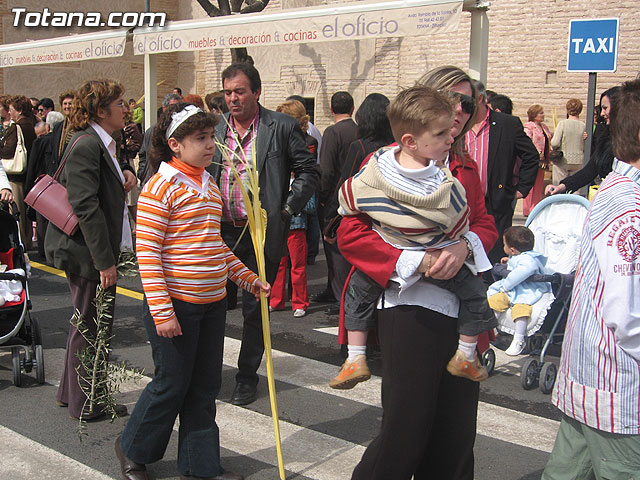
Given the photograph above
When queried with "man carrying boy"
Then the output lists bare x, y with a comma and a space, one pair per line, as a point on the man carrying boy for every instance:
415, 203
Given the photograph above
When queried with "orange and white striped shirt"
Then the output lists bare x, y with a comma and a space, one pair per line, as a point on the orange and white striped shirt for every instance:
180, 251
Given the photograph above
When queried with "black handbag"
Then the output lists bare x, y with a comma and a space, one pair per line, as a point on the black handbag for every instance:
556, 156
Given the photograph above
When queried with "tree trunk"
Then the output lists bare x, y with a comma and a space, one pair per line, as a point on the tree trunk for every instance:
238, 55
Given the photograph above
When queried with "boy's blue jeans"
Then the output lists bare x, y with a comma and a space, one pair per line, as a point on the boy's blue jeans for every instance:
188, 370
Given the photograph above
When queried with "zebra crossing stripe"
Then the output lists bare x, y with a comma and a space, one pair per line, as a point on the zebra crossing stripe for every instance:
312, 454
306, 452
309, 453
25, 459
500, 423
494, 421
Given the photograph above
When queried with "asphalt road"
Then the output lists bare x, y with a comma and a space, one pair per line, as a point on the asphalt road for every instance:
324, 431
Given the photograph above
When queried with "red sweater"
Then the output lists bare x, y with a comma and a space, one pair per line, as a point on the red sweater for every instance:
368, 252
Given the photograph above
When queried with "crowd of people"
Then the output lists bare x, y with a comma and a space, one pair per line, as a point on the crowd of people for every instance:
412, 201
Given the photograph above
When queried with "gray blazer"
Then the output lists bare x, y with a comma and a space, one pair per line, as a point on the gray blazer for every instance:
97, 197
281, 150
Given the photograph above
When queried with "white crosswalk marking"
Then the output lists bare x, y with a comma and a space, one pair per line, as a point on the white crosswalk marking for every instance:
497, 422
328, 330
306, 452
23, 458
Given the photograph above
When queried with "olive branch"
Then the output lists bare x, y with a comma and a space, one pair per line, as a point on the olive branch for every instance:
99, 379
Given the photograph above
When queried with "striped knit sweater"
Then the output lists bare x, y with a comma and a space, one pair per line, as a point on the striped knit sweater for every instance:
180, 251
403, 219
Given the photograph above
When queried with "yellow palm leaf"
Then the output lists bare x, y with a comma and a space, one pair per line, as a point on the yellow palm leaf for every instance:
257, 223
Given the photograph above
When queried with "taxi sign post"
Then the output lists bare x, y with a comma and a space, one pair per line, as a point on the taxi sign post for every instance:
593, 47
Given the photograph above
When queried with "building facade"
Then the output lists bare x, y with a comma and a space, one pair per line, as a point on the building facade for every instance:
527, 56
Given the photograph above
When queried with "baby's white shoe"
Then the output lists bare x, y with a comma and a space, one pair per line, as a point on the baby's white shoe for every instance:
516, 347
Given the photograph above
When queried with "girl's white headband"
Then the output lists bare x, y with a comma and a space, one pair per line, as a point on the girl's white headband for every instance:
179, 117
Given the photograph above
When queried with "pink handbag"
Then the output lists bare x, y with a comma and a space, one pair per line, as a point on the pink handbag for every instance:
48, 197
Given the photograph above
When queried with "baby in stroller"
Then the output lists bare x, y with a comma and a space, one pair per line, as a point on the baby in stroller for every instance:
10, 290
516, 290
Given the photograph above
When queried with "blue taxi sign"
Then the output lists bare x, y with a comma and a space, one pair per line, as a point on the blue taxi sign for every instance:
593, 45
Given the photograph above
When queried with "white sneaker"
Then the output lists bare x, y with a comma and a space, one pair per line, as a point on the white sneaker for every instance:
516, 347
299, 312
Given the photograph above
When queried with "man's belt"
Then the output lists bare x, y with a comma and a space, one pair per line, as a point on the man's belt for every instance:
238, 223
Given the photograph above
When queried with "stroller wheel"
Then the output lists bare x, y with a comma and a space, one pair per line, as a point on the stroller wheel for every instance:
36, 341
17, 368
529, 374
489, 360
548, 375
27, 364
39, 364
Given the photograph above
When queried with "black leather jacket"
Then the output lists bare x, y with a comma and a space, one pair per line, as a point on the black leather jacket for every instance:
281, 149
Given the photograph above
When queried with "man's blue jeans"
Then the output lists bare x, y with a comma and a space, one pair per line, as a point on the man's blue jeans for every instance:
188, 371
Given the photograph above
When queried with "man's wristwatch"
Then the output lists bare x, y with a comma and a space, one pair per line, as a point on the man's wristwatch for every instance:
288, 209
469, 248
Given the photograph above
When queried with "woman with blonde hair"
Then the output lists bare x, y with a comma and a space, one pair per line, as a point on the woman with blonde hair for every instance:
569, 138
96, 186
295, 109
429, 416
540, 135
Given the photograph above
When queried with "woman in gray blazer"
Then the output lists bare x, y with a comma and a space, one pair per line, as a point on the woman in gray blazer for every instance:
96, 185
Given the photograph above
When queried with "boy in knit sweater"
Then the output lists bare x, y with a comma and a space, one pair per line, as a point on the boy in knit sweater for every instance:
415, 203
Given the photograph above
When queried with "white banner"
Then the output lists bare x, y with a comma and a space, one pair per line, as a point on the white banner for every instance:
91, 46
323, 24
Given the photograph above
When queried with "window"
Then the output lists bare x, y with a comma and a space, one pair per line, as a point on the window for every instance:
310, 107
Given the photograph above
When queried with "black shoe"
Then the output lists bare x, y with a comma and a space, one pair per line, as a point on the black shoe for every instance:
121, 411
244, 394
130, 469
333, 309
323, 297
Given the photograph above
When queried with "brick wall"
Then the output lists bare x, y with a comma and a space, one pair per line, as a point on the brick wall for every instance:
167, 63
527, 57
527, 44
3, 12
50, 80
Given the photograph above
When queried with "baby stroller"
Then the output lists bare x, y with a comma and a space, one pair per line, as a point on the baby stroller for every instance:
18, 331
557, 224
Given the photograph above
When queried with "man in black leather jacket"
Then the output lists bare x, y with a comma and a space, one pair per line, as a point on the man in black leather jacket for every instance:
280, 151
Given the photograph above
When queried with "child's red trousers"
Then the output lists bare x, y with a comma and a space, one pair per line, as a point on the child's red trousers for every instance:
297, 245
